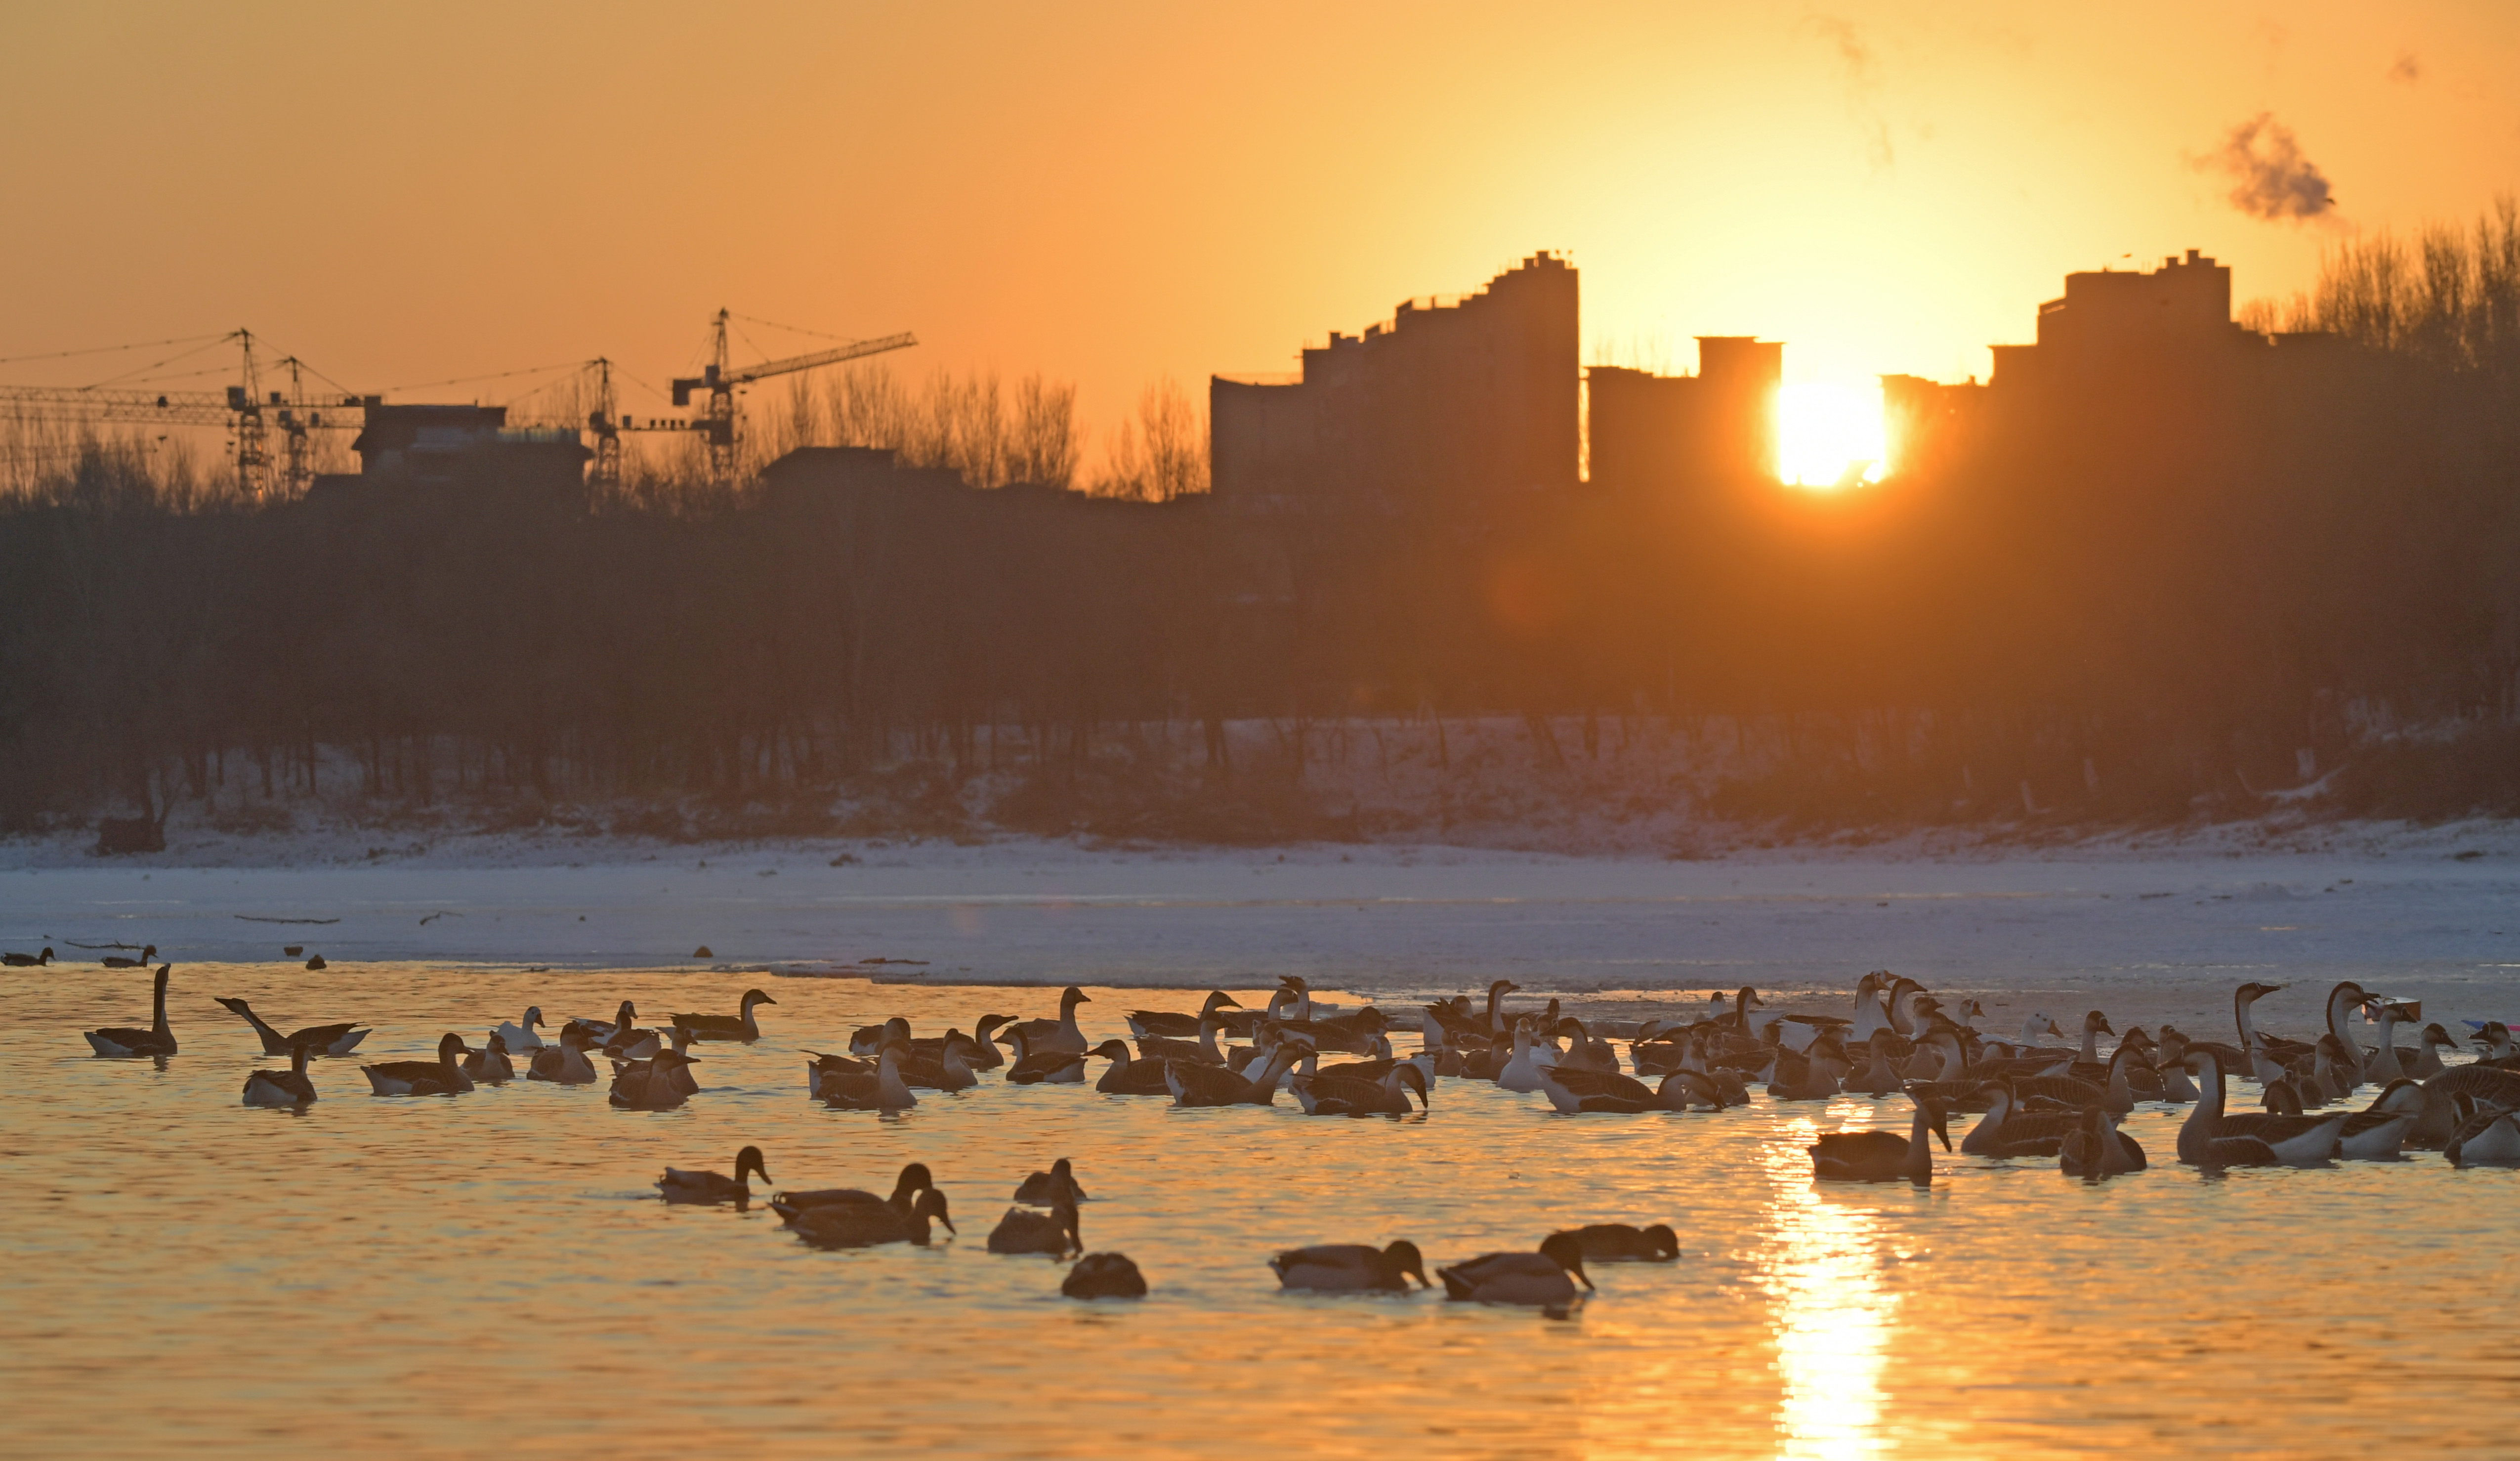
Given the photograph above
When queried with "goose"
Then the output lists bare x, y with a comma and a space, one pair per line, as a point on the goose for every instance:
1586, 1052
564, 1063
2089, 1066
633, 1043
1195, 1084
881, 1090
1689, 1090
521, 1038
2379, 1131
741, 1026
2006, 1131
2426, 1061
2118, 1090
1546, 1278
1041, 1188
983, 1053
2488, 1084
872, 1038
443, 1076
948, 1068
2294, 1140
648, 1085
1802, 1079
1103, 1275
2342, 1001
1044, 1067
121, 961
122, 1043
1129, 1078
1729, 1084
1620, 1243
600, 1032
2096, 1148
1575, 1092
2281, 1097
867, 1224
2259, 1050
1144, 1024
679, 1072
2388, 1062
282, 1090
1877, 1078
915, 1179
1870, 1019
1522, 1071
820, 1066
1030, 1230
1351, 1268
1059, 1036
2171, 1065
28, 961
2495, 1039
680, 1186
1347, 1095
1881, 1155
491, 1066
1168, 1047
323, 1039
2487, 1137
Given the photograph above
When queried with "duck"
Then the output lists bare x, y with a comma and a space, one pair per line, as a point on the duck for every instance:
491, 1065
521, 1038
867, 1224
443, 1076
648, 1085
1356, 1095
284, 1090
915, 1178
147, 956
1103, 1275
1030, 1230
28, 961
741, 1026
324, 1039
1351, 1268
1546, 1278
1059, 1036
2096, 1148
2487, 1136
2293, 1140
678, 1185
1195, 1084
1041, 1188
881, 1090
948, 1068
1044, 1067
1623, 1242
1881, 1155
119, 1041
1144, 1024
564, 1063
1129, 1078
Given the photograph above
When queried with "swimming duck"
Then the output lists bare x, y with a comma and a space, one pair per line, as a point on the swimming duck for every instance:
1029, 1230
282, 1090
521, 1038
324, 1039
121, 1041
915, 1179
882, 1090
1881, 1155
443, 1076
1129, 1078
1059, 1036
1103, 1275
28, 961
1041, 1188
648, 1085
121, 961
2098, 1149
565, 1063
1331, 1094
865, 1226
2294, 1140
1146, 1023
741, 1026
681, 1186
1621, 1243
491, 1065
1546, 1278
1045, 1067
1351, 1268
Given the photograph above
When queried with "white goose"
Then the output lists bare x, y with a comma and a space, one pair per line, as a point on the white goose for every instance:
1522, 1071
521, 1038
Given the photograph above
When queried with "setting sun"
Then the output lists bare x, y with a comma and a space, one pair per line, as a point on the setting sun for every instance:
1828, 435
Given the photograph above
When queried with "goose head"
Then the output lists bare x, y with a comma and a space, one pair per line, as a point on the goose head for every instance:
450, 1048
1402, 1257
749, 1161
1414, 1079
1069, 998
2096, 1024
533, 1016
2280, 1098
1218, 999
1566, 1251
498, 1044
753, 997
1936, 1120
1113, 1050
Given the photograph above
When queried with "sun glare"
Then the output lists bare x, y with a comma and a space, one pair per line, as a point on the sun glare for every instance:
1830, 435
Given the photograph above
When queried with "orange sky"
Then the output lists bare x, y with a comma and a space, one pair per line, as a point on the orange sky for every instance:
1114, 192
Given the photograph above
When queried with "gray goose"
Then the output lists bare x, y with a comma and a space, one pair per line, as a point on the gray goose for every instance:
2006, 1131
1103, 1275
1881, 1155
2487, 1136
1059, 1036
325, 1039
119, 1041
443, 1076
491, 1066
740, 1027
565, 1062
119, 961
1126, 1077
2292, 1140
1042, 1188
1360, 1096
2098, 1149
1144, 1024
864, 1226
282, 1090
915, 1179
1195, 1084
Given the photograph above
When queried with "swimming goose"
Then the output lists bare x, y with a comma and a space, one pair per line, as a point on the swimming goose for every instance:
1044, 1067
681, 1186
872, 1038
1801, 1078
491, 1066
565, 1063
1881, 1155
1870, 1019
1059, 1036
2388, 1062
2488, 1084
2487, 1137
1689, 1090
282, 1090
443, 1076
323, 1039
1146, 1023
521, 1039
1348, 1095
1195, 1084
2263, 1055
2170, 1062
121, 1041
983, 1053
2009, 1132
1351, 1268
2342, 1002
915, 1179
947, 1067
1103, 1275
1169, 1047
1029, 1230
1576, 1091
867, 1224
1522, 1071
28, 961
741, 1026
1878, 1078
121, 961
2294, 1140
1620, 1243
631, 1042
2379, 1131
1546, 1278
2098, 1149
2493, 1041
2089, 1066
648, 1085
600, 1032
1042, 1188
1129, 1078
882, 1090
819, 1065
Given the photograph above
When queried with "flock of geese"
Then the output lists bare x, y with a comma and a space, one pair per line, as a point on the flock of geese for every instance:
2061, 1102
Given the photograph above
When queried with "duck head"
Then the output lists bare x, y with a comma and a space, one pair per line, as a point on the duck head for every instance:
1402, 1257
1414, 1079
1567, 1253
749, 1161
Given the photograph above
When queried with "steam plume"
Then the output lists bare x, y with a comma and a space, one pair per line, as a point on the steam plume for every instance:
2271, 179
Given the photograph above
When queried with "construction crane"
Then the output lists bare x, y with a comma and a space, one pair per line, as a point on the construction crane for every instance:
720, 380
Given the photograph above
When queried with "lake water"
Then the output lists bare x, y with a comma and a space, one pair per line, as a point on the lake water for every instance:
491, 1274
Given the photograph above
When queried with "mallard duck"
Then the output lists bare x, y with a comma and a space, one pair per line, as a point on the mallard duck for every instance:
565, 1063
866, 1224
1881, 1155
443, 1076
322, 1039
1042, 1188
681, 1186
282, 1090
121, 961
28, 961
1619, 1243
491, 1065
1059, 1036
741, 1026
1351, 1268
915, 1179
1103, 1275
520, 1037
1144, 1024
1546, 1278
1125, 1076
1029, 1230
121, 1041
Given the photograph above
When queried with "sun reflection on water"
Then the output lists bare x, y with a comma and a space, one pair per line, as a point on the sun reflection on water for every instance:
1832, 1314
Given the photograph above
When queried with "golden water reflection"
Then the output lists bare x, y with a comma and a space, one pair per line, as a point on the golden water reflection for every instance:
1822, 1268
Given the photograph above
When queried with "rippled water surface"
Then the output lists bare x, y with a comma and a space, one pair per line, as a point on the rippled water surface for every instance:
492, 1274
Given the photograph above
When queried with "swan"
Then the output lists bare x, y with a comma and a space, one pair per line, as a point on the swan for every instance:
1546, 1278
443, 1076
521, 1038
1103, 1275
123, 1042
680, 1186
282, 1090
1351, 1268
